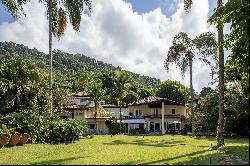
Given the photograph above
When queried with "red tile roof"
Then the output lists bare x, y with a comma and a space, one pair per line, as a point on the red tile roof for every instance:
79, 94
154, 99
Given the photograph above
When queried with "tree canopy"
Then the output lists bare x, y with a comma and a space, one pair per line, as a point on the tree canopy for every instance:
174, 90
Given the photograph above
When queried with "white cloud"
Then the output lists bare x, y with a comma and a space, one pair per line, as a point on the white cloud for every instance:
117, 35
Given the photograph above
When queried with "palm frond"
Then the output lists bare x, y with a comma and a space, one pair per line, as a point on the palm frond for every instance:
206, 45
62, 22
14, 7
181, 52
187, 5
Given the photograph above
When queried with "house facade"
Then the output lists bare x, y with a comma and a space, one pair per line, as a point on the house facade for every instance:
115, 109
80, 106
155, 114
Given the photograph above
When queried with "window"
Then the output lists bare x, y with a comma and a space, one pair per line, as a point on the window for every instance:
138, 112
157, 127
154, 112
177, 126
91, 126
79, 113
173, 111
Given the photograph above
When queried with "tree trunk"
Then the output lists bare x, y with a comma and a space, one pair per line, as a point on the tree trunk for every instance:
220, 128
50, 63
120, 118
95, 121
192, 95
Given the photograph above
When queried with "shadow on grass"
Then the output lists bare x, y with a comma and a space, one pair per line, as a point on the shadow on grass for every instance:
237, 154
161, 143
55, 162
208, 159
241, 151
164, 161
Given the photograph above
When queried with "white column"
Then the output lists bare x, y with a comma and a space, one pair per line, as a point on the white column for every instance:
162, 118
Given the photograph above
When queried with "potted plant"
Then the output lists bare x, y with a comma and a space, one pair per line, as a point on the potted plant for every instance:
14, 139
5, 136
24, 139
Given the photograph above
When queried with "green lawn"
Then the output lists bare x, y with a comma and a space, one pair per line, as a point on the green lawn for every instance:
120, 149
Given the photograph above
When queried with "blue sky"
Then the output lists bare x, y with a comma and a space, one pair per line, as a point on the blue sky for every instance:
140, 6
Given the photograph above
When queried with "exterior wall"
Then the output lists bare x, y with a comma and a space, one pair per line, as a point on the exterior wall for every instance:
180, 110
156, 121
101, 127
116, 111
89, 113
144, 108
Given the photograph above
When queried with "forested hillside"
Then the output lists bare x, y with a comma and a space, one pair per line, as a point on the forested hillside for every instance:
68, 64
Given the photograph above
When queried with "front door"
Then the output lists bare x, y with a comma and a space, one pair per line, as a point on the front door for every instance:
151, 126
157, 127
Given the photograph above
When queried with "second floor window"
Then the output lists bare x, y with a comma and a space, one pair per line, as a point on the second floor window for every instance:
138, 112
173, 111
154, 112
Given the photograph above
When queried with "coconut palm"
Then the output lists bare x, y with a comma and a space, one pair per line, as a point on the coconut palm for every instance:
183, 51
57, 11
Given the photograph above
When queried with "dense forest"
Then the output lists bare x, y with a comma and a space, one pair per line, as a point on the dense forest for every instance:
68, 64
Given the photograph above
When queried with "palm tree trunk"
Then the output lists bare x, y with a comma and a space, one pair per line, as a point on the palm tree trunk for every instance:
50, 63
120, 118
220, 128
192, 95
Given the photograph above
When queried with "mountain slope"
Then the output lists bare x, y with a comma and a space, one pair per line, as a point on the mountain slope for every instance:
68, 63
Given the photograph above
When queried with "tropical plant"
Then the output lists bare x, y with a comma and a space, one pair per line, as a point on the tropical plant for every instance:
21, 84
174, 90
236, 112
235, 12
57, 12
121, 89
220, 52
183, 52
43, 129
220, 131
92, 84
113, 126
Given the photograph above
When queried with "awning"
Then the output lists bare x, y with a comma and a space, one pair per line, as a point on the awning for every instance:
176, 122
132, 121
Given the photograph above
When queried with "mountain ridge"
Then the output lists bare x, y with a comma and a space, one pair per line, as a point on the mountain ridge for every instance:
69, 63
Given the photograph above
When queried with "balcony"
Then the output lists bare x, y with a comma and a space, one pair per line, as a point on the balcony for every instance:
165, 116
155, 116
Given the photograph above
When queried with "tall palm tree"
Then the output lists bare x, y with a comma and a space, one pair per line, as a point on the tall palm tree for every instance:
57, 11
183, 51
220, 131
220, 128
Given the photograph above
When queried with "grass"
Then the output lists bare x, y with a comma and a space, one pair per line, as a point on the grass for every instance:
122, 149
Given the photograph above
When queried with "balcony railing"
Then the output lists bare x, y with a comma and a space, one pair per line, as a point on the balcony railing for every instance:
155, 116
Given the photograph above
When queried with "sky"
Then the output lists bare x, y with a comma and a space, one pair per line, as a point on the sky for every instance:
132, 34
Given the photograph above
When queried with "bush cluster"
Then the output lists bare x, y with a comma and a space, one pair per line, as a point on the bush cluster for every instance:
113, 126
43, 129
